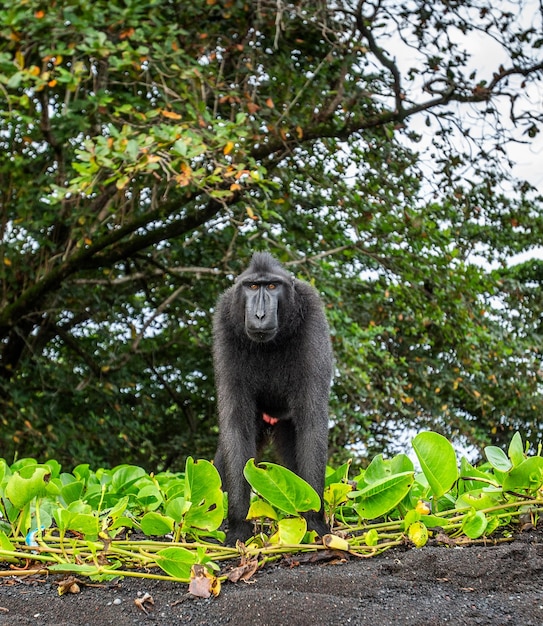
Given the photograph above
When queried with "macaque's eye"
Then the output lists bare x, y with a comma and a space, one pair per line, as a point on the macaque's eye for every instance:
272, 286
254, 287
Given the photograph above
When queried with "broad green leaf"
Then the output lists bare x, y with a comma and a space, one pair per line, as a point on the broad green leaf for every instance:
498, 459
119, 508
201, 478
401, 463
154, 523
21, 464
80, 506
380, 468
474, 524
467, 470
85, 524
72, 491
122, 522
5, 543
26, 484
5, 472
528, 475
382, 496
516, 450
418, 534
289, 531
82, 472
52, 489
260, 509
376, 470
437, 460
492, 523
149, 497
176, 561
54, 466
337, 493
42, 512
177, 508
124, 476
431, 521
410, 517
63, 518
371, 538
282, 488
477, 499
203, 490
338, 475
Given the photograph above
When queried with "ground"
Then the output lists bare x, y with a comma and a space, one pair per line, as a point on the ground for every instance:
431, 586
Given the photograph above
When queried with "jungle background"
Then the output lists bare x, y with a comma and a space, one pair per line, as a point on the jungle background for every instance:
147, 148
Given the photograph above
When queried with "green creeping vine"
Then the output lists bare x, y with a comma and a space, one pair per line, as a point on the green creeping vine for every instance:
125, 522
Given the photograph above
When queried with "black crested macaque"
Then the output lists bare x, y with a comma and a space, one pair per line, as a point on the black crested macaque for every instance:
273, 368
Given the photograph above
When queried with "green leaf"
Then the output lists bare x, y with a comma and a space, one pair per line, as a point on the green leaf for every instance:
124, 476
338, 475
371, 538
528, 475
260, 509
431, 521
122, 522
176, 561
477, 499
177, 508
498, 459
54, 467
63, 518
380, 468
5, 471
437, 460
72, 491
85, 524
382, 496
203, 490
5, 543
337, 493
281, 487
418, 534
468, 471
289, 531
474, 524
516, 450
154, 523
149, 497
410, 517
26, 484
119, 508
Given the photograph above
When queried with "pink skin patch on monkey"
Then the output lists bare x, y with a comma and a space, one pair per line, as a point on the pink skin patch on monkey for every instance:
269, 419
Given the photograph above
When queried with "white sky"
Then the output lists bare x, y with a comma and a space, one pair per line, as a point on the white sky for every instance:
486, 56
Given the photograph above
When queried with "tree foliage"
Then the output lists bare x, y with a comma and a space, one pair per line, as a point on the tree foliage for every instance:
149, 147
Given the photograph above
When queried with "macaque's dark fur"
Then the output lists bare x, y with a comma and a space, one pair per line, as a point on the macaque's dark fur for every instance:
285, 376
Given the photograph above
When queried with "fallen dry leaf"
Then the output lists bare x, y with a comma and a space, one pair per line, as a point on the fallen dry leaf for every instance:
202, 583
244, 571
322, 556
140, 602
69, 585
441, 537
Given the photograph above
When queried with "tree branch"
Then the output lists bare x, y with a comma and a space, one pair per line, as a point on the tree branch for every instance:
32, 298
381, 56
123, 280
